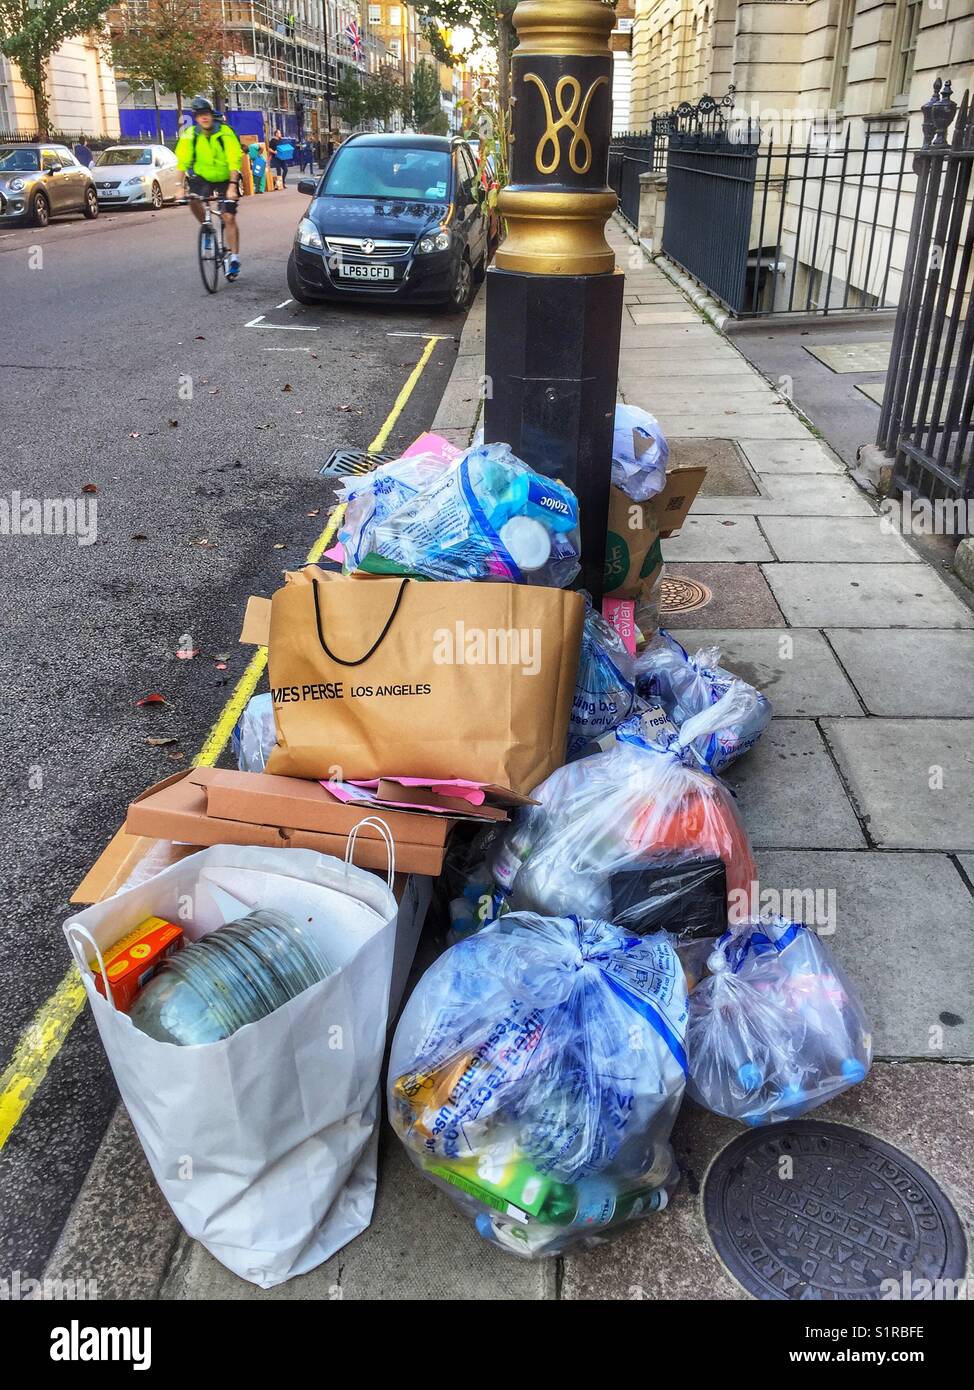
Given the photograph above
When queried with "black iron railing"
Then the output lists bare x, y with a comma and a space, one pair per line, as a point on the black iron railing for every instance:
925, 422
629, 156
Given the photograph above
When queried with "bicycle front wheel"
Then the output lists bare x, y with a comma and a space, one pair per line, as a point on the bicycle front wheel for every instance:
210, 257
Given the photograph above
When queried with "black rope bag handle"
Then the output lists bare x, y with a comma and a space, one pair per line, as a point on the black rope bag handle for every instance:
378, 641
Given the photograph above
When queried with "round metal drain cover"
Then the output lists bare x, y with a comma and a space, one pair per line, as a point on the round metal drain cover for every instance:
809, 1210
682, 595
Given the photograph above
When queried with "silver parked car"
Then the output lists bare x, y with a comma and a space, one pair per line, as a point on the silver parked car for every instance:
143, 175
40, 181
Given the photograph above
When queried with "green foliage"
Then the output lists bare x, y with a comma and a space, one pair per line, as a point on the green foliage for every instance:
384, 95
351, 99
176, 46
31, 30
425, 97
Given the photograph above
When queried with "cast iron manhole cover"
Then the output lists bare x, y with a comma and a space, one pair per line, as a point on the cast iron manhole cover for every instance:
809, 1210
682, 595
344, 463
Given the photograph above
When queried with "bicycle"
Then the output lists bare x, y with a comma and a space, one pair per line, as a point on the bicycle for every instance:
212, 247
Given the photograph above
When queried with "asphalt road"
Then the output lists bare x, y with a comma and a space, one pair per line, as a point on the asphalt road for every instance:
200, 502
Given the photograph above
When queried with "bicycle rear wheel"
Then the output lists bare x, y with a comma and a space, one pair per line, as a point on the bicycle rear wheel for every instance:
211, 257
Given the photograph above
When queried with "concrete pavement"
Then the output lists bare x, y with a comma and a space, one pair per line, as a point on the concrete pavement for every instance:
861, 792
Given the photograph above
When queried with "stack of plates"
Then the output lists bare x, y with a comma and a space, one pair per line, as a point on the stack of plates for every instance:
239, 973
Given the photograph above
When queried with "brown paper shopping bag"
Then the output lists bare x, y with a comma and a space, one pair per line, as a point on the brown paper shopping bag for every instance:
404, 678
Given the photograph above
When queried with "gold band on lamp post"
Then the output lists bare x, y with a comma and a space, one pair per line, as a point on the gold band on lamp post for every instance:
557, 203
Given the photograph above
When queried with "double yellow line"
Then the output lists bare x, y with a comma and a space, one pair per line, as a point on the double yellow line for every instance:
41, 1040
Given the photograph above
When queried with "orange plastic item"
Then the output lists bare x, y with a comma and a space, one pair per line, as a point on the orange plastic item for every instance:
703, 822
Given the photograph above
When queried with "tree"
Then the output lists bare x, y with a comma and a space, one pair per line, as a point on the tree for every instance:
351, 99
384, 95
491, 22
31, 30
426, 96
173, 46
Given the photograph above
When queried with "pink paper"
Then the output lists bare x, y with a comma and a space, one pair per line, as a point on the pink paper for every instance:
433, 444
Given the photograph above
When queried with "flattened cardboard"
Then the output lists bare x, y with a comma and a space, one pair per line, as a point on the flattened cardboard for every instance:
120, 858
213, 806
632, 554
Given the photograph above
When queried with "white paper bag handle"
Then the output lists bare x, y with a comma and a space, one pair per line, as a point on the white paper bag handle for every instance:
386, 834
75, 934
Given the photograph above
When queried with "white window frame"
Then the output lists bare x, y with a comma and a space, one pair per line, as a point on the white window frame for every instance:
906, 30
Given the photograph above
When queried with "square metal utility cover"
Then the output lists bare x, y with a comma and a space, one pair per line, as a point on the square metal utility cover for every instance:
727, 472
852, 357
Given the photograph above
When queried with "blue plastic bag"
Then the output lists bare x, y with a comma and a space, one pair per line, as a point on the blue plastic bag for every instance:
775, 1028
605, 691
684, 686
536, 1073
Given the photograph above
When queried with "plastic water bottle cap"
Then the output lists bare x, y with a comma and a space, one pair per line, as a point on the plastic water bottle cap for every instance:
527, 541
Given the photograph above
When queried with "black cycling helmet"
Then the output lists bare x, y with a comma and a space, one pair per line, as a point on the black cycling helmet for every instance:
200, 105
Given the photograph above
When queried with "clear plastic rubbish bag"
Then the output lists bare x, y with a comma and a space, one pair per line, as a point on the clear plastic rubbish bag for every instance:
369, 500
536, 1073
639, 475
643, 805
605, 691
488, 516
775, 1028
684, 686
254, 734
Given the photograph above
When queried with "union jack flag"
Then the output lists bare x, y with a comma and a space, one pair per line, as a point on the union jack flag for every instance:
354, 36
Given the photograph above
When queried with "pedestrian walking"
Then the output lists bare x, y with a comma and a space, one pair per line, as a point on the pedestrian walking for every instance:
282, 152
82, 153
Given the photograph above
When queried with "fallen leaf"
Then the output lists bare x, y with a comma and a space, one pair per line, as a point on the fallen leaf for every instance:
279, 545
152, 699
343, 407
200, 338
173, 424
134, 434
160, 742
89, 487
205, 544
221, 656
314, 513
185, 655
214, 392
176, 757
221, 665
287, 386
139, 536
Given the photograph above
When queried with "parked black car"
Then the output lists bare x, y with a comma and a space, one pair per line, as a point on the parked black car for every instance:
392, 217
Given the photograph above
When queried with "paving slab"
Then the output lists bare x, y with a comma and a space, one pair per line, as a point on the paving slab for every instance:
874, 909
787, 456
746, 422
739, 596
727, 473
789, 793
649, 313
419, 1246
717, 538
840, 595
872, 390
912, 779
836, 538
654, 364
796, 495
795, 669
921, 1108
852, 357
459, 405
909, 672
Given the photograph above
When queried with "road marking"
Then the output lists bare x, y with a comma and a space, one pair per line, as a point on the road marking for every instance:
254, 322
269, 349
41, 1040
284, 303
439, 337
379, 441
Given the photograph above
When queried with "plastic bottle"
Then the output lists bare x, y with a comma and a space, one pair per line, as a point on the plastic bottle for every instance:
511, 854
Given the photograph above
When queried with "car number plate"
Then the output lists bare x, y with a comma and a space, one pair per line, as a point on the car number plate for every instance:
367, 272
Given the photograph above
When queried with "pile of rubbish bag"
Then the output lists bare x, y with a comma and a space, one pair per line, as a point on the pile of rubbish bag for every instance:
599, 968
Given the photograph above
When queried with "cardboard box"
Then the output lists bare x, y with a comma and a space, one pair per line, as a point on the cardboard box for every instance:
214, 806
632, 551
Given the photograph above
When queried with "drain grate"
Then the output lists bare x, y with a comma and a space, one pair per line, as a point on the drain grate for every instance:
345, 463
809, 1210
682, 595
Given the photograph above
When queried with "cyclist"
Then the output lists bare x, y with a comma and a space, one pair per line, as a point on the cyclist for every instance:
209, 154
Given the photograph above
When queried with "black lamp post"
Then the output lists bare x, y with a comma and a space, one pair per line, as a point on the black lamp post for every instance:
554, 296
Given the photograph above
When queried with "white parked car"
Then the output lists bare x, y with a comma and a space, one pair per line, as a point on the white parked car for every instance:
129, 175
